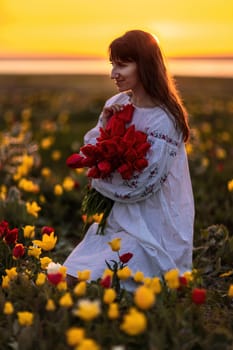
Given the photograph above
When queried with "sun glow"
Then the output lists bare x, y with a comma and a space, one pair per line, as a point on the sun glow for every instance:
85, 28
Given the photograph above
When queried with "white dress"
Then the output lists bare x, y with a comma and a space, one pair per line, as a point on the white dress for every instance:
153, 212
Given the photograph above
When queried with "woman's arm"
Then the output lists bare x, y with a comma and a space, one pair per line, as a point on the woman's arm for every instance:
163, 151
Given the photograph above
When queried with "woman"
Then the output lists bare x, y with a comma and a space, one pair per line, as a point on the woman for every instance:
153, 215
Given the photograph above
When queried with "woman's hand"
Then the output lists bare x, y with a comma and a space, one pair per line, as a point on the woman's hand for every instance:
108, 112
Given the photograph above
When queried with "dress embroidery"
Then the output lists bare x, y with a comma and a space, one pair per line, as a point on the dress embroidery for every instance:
122, 196
148, 189
163, 178
164, 137
172, 153
154, 172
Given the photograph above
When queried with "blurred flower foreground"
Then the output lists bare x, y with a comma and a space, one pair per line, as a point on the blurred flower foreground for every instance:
41, 221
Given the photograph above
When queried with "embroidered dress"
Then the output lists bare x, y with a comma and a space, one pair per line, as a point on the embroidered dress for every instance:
153, 212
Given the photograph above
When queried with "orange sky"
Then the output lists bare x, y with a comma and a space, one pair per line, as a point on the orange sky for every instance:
86, 27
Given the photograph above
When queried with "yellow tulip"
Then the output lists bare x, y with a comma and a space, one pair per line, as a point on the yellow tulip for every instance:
44, 262
50, 305
138, 276
47, 142
5, 282
68, 183
155, 285
113, 311
29, 231
172, 278
107, 272
11, 273
134, 322
58, 190
56, 155
66, 300
97, 217
84, 275
87, 309
25, 318
109, 295
188, 275
62, 285
124, 273
8, 308
75, 336
230, 291
34, 251
88, 344
33, 208
46, 172
144, 297
80, 288
230, 185
47, 243
41, 279
115, 244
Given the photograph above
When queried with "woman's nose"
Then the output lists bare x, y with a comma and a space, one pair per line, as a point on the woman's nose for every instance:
114, 74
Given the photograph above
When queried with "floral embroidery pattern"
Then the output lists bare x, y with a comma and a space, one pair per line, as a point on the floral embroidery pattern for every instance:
148, 189
172, 153
154, 172
132, 183
122, 196
164, 137
163, 178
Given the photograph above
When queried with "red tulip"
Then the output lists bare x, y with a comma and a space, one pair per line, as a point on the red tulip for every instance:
90, 151
105, 168
126, 114
75, 161
116, 127
93, 172
140, 164
124, 258
47, 229
11, 236
130, 135
142, 149
126, 171
18, 251
4, 227
106, 282
199, 296
55, 278
130, 155
140, 136
183, 281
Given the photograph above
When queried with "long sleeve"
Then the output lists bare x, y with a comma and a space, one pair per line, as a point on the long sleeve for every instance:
91, 135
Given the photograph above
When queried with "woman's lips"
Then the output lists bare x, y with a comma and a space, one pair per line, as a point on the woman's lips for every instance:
118, 82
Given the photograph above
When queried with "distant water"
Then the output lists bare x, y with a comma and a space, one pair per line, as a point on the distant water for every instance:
179, 67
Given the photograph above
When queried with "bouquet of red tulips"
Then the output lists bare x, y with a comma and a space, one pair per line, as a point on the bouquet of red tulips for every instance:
119, 148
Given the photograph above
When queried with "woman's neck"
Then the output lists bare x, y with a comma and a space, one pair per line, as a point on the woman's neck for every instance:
142, 100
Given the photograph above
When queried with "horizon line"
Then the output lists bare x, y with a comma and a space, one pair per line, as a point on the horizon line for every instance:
100, 58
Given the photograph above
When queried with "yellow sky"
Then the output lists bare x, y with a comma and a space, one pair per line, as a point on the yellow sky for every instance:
86, 27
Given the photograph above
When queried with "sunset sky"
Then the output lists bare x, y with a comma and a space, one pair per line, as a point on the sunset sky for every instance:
86, 27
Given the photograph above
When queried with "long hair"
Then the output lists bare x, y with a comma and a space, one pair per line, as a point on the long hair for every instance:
141, 47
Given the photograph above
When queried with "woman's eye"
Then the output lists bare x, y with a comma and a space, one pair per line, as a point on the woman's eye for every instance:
118, 63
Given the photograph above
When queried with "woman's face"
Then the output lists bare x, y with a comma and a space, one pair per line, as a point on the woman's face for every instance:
125, 75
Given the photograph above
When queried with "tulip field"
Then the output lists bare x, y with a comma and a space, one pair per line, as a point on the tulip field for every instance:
42, 122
